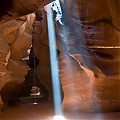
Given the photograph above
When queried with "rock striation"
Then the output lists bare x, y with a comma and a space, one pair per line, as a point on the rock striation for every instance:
89, 63
15, 40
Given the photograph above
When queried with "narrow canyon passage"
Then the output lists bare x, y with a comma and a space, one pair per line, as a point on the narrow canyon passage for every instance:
87, 52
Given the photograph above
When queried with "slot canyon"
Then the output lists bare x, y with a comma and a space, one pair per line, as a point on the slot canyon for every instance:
88, 55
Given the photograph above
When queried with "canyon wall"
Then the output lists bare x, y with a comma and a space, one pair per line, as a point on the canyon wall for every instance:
89, 60
15, 40
90, 57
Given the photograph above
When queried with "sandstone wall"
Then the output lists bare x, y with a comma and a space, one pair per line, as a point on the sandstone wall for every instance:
90, 60
41, 50
15, 40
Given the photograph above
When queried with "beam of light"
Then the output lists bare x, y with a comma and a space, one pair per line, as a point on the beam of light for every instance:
54, 62
35, 103
59, 117
64, 34
54, 67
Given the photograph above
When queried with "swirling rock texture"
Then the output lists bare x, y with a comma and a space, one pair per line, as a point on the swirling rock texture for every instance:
90, 71
15, 40
89, 44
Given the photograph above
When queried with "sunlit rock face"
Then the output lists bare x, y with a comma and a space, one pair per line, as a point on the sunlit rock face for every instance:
15, 39
17, 35
90, 73
4, 74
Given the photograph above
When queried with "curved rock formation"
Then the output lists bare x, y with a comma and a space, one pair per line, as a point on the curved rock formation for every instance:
15, 39
90, 74
89, 44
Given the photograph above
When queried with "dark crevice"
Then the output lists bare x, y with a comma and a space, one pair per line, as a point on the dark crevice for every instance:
5, 5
